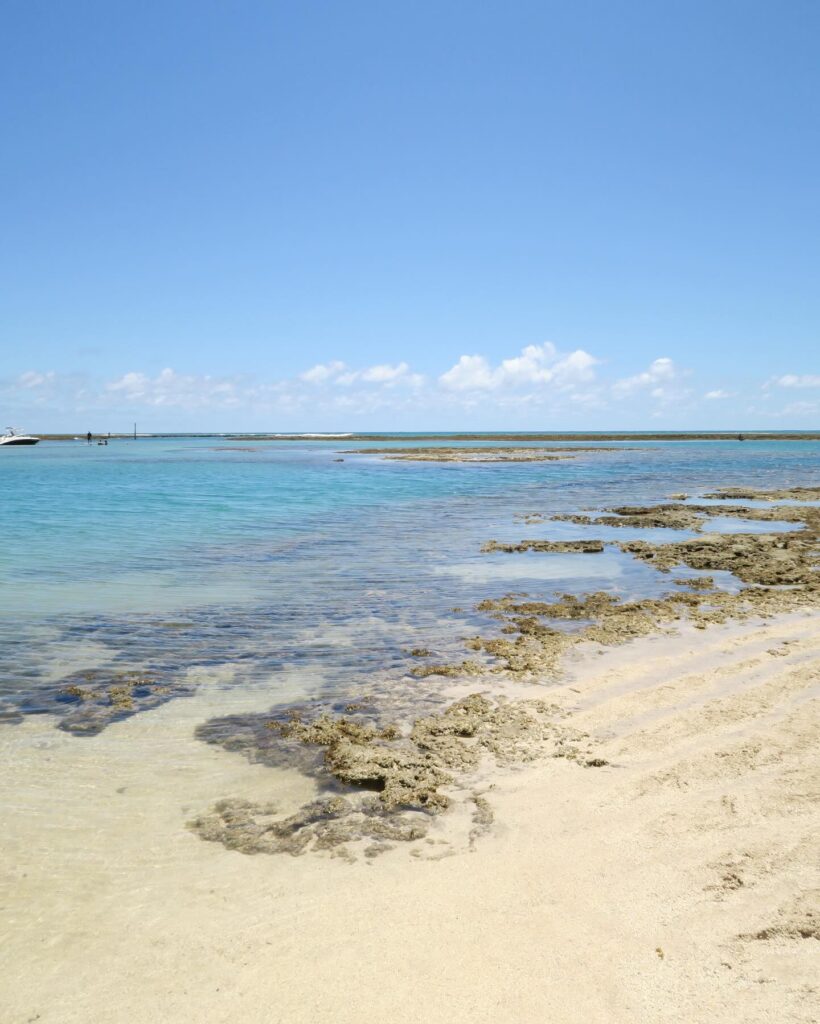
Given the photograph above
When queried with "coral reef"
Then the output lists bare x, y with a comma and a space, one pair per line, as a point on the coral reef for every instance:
753, 494
451, 453
779, 568
409, 776
326, 824
586, 547
86, 702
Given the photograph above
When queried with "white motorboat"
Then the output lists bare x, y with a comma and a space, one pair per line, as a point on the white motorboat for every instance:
11, 437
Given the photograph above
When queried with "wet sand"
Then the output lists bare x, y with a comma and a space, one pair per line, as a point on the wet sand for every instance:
677, 883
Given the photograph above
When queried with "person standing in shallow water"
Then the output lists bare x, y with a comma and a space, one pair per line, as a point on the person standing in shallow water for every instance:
88, 437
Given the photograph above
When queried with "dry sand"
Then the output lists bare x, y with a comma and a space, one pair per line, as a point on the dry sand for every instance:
680, 883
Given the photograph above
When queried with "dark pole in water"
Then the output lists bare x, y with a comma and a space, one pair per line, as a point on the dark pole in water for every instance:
135, 431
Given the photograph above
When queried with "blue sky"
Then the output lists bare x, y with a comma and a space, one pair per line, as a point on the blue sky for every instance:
366, 215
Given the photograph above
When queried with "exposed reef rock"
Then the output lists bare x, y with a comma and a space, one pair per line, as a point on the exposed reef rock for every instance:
696, 582
781, 570
326, 824
672, 517
752, 494
587, 547
402, 777
448, 453
658, 516
361, 755
533, 647
472, 455
406, 771
768, 559
677, 516
539, 647
326, 730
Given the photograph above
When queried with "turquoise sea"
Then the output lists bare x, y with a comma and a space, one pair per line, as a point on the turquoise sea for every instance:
277, 559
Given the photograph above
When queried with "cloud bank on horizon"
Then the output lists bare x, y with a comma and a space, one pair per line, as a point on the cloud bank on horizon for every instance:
539, 387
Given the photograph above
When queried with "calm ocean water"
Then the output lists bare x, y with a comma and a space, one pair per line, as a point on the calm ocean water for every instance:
166, 554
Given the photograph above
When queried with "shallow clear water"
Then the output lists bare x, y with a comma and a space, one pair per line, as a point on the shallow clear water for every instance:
172, 554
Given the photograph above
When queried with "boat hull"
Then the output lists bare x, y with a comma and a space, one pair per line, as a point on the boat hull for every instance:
18, 441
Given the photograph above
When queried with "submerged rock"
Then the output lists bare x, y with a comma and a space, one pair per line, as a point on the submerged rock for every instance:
696, 582
10, 715
86, 702
463, 668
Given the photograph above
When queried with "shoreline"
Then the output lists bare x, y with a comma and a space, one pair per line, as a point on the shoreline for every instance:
674, 885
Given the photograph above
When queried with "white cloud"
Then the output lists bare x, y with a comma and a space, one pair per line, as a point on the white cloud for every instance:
536, 386
172, 389
534, 365
339, 373
576, 367
384, 372
800, 409
31, 380
471, 373
662, 381
322, 372
44, 390
660, 372
794, 380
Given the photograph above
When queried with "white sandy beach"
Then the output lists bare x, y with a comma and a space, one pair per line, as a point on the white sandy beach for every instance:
677, 884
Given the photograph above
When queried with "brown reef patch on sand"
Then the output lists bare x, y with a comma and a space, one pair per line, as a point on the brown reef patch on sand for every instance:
327, 824
407, 775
